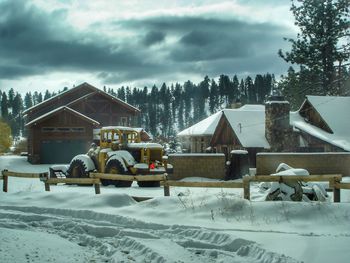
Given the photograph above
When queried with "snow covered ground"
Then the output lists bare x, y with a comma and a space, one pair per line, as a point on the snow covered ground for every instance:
72, 224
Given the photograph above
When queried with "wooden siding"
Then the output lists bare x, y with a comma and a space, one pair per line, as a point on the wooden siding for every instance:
58, 101
63, 119
224, 139
104, 110
313, 117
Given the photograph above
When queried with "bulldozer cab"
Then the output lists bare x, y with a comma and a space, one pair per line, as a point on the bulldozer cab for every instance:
110, 136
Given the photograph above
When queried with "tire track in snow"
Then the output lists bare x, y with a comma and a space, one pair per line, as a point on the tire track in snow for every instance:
116, 238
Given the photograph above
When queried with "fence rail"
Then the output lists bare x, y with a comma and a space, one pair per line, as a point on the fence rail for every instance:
6, 174
335, 181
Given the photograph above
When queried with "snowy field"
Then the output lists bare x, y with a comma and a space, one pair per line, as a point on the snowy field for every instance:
72, 224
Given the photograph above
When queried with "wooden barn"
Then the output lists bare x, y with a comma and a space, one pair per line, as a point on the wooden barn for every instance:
62, 126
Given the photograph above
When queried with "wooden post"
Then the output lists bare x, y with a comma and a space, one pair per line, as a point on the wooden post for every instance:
5, 183
47, 186
336, 191
97, 188
246, 187
166, 189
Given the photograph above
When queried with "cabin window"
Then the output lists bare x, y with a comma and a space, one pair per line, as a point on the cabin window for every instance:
124, 121
202, 145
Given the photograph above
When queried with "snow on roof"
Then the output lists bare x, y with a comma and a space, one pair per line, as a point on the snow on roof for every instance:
339, 139
122, 128
204, 127
59, 109
249, 126
252, 107
208, 125
332, 110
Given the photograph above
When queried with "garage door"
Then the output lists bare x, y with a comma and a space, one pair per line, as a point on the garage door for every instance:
61, 151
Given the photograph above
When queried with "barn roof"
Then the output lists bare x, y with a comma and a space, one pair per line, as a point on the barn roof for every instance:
85, 85
59, 109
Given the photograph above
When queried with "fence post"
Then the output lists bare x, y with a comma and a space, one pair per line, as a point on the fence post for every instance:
5, 181
97, 188
246, 187
47, 186
336, 191
166, 189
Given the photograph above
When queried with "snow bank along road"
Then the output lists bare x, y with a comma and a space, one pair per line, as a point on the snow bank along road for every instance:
72, 224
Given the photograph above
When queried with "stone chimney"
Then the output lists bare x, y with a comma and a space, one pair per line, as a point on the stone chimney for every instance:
278, 131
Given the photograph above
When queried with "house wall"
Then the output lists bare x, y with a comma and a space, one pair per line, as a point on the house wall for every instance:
315, 163
61, 125
103, 110
199, 144
197, 165
316, 145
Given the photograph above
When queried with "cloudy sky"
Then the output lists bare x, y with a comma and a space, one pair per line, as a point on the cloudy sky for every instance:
49, 44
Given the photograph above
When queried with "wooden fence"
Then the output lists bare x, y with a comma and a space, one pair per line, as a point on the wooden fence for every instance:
6, 174
335, 181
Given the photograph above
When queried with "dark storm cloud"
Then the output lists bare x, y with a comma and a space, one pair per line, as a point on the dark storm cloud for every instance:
37, 42
203, 39
153, 37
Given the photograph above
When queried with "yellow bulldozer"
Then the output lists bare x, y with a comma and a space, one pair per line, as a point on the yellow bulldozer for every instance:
121, 151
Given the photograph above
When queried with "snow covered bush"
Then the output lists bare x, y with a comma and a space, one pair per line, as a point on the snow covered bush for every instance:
293, 191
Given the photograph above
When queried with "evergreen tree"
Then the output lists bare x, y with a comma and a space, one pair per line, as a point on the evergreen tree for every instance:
28, 100
10, 98
128, 94
16, 122
243, 92
188, 93
201, 93
319, 48
259, 88
234, 94
47, 95
180, 119
4, 107
291, 89
121, 93
249, 87
153, 111
144, 109
224, 89
177, 97
268, 84
213, 97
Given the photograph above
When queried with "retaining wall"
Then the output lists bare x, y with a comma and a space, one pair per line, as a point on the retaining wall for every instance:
197, 165
315, 163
